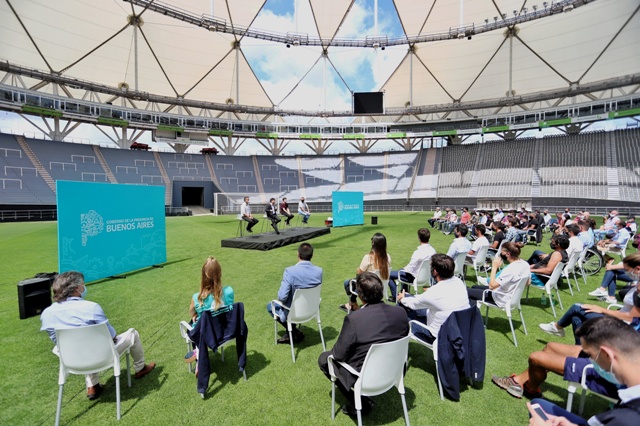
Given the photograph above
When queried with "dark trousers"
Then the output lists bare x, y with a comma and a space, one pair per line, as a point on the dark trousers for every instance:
476, 292
288, 216
251, 222
323, 362
274, 222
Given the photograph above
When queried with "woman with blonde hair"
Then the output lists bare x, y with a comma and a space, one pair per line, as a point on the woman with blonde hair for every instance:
377, 261
212, 295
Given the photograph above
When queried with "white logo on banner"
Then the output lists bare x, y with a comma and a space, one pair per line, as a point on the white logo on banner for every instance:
92, 224
342, 206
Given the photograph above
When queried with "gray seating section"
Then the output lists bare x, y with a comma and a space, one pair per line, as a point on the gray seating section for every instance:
627, 144
457, 170
20, 182
278, 177
131, 166
502, 174
380, 176
67, 161
235, 173
191, 167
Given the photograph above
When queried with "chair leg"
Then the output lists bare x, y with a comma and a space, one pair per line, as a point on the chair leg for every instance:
572, 390
575, 278
333, 398
524, 326
404, 409
189, 350
59, 408
244, 374
583, 398
439, 382
513, 332
324, 348
118, 397
553, 309
486, 317
293, 355
359, 417
129, 370
569, 283
222, 353
275, 331
559, 300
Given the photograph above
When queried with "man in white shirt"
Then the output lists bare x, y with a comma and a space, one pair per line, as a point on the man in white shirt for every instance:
481, 241
609, 227
409, 272
546, 217
303, 209
447, 296
497, 215
437, 215
460, 244
585, 236
245, 211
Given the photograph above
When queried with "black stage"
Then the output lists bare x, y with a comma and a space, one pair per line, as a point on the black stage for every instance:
271, 240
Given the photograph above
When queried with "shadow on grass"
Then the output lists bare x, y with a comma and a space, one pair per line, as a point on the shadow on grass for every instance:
312, 338
500, 325
224, 373
349, 236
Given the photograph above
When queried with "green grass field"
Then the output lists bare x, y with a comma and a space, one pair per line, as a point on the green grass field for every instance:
277, 391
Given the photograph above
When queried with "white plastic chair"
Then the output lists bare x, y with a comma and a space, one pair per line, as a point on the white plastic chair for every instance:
88, 350
573, 387
478, 260
383, 368
552, 283
431, 346
423, 279
619, 251
304, 307
459, 262
570, 269
512, 302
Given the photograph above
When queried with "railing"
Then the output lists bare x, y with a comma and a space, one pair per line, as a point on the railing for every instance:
26, 215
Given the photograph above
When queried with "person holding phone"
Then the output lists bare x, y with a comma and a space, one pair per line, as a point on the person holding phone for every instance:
613, 347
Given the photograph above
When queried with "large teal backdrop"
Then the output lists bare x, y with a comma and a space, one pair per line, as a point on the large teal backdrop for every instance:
107, 229
347, 208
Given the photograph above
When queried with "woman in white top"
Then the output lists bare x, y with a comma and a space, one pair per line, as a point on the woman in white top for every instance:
377, 261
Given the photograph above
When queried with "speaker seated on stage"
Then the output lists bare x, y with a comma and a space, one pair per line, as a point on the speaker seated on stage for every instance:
284, 210
272, 213
303, 209
303, 274
245, 212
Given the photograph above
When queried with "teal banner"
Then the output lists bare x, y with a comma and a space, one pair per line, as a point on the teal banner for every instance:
347, 208
107, 229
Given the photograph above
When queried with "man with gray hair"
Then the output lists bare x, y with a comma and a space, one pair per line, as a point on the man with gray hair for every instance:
72, 310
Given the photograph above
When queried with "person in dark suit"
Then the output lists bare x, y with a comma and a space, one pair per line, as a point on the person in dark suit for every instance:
272, 213
374, 322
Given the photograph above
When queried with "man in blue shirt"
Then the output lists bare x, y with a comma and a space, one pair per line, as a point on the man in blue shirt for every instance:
72, 310
301, 275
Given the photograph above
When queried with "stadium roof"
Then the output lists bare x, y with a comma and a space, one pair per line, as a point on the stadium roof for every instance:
433, 59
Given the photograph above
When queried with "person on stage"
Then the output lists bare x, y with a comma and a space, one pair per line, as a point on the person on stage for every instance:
245, 210
284, 210
272, 213
303, 209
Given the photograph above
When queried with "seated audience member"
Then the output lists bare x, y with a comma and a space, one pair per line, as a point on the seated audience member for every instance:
580, 312
534, 226
437, 215
512, 235
609, 226
575, 243
619, 239
542, 263
410, 272
483, 219
302, 275
613, 348
460, 244
504, 281
465, 218
452, 221
585, 236
557, 222
498, 229
212, 295
498, 215
627, 271
481, 241
377, 322
272, 214
70, 309
546, 217
632, 227
284, 210
303, 209
562, 359
376, 261
448, 295
445, 218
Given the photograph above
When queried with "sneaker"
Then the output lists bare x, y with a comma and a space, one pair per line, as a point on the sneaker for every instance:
552, 329
509, 384
531, 394
598, 292
609, 299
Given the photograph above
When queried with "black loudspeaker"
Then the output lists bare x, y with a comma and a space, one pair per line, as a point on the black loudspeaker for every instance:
34, 295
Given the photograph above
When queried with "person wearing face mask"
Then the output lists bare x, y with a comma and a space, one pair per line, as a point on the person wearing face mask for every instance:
439, 301
504, 282
565, 360
613, 347
544, 264
579, 313
627, 271
70, 309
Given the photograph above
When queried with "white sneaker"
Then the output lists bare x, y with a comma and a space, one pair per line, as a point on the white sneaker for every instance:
552, 329
598, 292
609, 299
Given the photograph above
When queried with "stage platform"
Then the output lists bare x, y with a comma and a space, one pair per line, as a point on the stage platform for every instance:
271, 240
